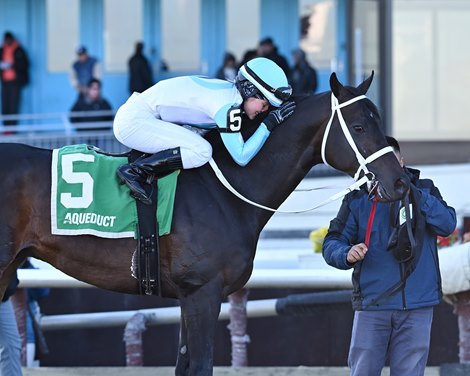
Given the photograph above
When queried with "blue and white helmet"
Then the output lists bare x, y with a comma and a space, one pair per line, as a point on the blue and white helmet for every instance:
263, 78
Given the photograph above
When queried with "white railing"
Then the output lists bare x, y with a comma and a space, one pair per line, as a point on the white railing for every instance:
261, 278
53, 130
157, 316
51, 119
321, 277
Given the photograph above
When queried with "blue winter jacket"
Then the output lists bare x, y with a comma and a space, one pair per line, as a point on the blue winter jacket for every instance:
379, 270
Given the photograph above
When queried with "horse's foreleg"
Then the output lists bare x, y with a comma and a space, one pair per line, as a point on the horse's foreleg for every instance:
182, 361
200, 311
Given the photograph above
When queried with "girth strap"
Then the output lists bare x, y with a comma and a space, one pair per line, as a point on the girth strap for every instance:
149, 251
147, 243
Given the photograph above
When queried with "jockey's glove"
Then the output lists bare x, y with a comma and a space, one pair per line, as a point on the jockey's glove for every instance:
277, 116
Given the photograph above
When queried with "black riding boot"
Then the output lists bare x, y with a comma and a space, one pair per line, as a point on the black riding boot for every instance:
143, 170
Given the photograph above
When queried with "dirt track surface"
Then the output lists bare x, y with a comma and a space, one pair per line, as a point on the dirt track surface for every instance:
218, 371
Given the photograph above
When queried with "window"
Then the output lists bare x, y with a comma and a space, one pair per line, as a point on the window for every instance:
318, 32
242, 17
430, 69
122, 29
365, 47
181, 34
62, 23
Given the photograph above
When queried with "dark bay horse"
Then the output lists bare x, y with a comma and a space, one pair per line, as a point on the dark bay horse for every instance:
209, 253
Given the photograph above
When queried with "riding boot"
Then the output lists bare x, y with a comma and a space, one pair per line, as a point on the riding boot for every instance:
147, 169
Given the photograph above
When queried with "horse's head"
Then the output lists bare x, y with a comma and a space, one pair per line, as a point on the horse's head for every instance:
354, 142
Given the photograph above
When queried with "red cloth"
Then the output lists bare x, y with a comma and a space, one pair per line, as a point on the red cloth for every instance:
370, 221
9, 57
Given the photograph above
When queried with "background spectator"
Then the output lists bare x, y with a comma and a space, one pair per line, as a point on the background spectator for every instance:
14, 71
83, 70
10, 342
228, 70
267, 48
303, 78
140, 73
247, 56
92, 101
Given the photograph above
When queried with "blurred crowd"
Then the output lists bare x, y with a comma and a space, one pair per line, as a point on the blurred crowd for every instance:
301, 74
86, 77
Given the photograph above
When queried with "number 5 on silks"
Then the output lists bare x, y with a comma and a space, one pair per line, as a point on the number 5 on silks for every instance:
235, 119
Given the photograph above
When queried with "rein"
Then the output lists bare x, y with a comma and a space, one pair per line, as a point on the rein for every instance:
367, 177
226, 184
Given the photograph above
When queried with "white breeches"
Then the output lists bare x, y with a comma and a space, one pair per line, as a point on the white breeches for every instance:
136, 127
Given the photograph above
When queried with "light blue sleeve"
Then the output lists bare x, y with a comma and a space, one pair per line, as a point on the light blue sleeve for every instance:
242, 152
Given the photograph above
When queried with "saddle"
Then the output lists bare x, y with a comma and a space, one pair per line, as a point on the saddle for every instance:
147, 253
96, 204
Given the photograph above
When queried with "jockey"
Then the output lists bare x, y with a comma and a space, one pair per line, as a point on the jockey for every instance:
151, 121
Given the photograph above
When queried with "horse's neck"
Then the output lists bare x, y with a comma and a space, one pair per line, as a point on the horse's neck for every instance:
287, 156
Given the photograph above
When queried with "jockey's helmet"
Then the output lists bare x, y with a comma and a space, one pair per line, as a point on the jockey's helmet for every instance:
262, 78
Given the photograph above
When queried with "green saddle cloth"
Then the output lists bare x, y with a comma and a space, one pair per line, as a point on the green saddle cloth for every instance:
87, 199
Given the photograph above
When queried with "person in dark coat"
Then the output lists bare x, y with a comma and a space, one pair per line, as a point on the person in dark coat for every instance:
14, 73
247, 56
303, 78
92, 101
267, 49
396, 278
140, 73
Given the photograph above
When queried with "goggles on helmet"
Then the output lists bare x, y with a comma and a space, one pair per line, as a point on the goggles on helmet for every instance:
282, 93
247, 89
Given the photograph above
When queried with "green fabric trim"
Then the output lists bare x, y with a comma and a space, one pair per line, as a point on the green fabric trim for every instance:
86, 197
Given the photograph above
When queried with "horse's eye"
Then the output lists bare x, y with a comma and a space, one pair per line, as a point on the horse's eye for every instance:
358, 128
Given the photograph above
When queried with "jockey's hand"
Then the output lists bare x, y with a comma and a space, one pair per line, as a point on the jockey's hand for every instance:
277, 116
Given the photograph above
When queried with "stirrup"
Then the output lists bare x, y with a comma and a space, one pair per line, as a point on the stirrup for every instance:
139, 192
144, 199
140, 195
127, 175
123, 171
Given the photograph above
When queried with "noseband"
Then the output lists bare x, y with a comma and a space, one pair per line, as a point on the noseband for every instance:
363, 162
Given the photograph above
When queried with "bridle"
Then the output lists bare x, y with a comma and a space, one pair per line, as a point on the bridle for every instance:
363, 162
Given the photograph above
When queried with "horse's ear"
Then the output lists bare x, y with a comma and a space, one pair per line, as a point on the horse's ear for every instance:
335, 85
362, 88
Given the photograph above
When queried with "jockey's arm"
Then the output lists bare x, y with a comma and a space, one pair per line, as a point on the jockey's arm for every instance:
241, 151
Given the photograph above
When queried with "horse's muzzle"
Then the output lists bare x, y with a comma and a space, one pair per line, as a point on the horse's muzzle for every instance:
400, 187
